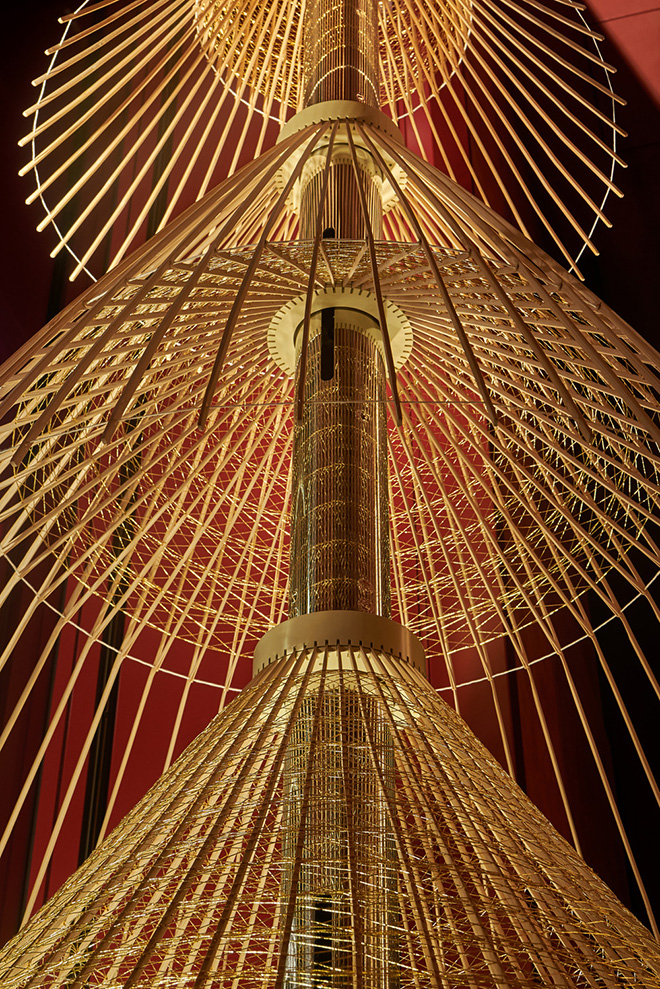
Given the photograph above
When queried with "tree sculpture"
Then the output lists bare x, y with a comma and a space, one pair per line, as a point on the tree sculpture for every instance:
337, 824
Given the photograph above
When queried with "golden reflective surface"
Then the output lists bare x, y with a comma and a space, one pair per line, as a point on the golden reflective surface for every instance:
340, 556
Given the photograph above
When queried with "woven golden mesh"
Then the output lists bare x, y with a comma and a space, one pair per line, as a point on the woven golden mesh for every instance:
336, 825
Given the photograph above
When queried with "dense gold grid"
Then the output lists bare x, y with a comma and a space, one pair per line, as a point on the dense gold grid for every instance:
208, 881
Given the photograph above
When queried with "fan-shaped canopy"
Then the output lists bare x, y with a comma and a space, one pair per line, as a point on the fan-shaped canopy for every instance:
523, 470
146, 104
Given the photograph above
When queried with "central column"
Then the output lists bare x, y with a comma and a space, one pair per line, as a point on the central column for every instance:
340, 531
338, 781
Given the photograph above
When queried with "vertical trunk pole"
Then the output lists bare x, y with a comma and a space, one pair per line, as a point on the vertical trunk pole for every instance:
340, 527
342, 934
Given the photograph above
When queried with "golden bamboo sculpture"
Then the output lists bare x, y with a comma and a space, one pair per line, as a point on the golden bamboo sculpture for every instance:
335, 834
142, 99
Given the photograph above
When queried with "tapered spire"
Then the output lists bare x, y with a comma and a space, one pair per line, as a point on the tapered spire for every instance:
429, 869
